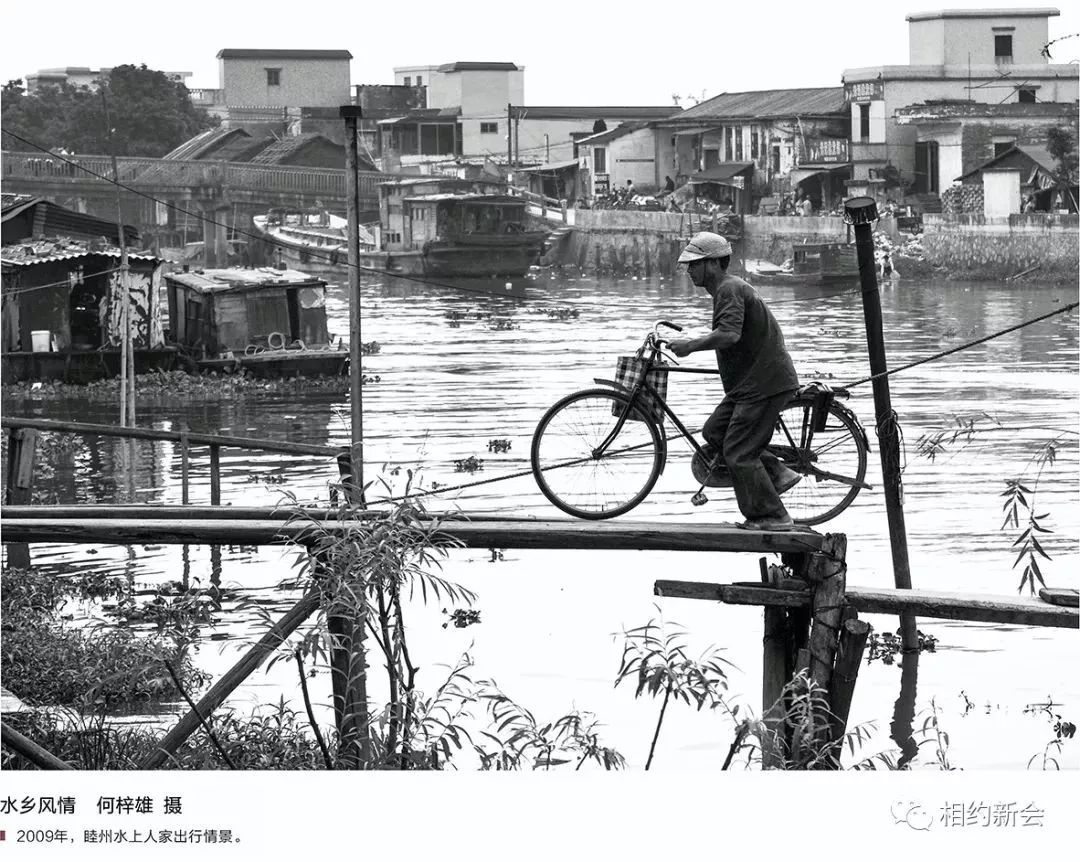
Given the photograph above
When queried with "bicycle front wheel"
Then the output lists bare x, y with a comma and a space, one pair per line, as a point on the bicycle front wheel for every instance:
583, 481
832, 461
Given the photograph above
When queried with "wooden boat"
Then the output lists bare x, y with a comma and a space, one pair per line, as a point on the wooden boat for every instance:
313, 239
438, 227
270, 322
812, 264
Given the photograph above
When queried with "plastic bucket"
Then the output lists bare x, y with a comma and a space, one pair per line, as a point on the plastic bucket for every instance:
41, 338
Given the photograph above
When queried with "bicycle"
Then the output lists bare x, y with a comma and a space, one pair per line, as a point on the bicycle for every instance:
598, 453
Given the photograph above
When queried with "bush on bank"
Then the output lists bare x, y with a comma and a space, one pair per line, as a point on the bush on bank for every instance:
47, 661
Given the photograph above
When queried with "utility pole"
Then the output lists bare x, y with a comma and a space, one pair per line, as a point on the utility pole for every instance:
861, 212
127, 353
509, 135
352, 114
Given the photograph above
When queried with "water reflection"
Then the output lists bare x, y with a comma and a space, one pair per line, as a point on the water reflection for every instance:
458, 371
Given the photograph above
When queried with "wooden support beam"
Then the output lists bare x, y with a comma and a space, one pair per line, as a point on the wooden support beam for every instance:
31, 750
849, 655
827, 572
1011, 610
251, 660
775, 674
569, 535
215, 475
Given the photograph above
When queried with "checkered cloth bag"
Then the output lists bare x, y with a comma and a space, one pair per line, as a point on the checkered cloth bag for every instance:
628, 371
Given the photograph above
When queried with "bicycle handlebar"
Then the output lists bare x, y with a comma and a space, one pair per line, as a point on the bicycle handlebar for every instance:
668, 324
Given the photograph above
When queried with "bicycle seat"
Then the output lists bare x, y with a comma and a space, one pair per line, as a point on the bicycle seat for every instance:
816, 387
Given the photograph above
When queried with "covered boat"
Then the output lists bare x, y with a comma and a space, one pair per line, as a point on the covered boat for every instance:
270, 322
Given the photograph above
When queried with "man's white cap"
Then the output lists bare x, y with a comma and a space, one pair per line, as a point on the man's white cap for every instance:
705, 245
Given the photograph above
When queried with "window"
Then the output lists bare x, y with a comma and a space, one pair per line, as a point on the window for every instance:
599, 160
489, 128
864, 122
1025, 95
1002, 146
738, 145
776, 158
755, 144
419, 80
1002, 48
273, 77
408, 80
729, 144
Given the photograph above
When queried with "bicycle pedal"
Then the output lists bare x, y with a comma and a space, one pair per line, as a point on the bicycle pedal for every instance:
699, 499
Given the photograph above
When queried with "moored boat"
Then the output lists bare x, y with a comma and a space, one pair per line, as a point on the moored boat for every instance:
269, 322
311, 238
811, 264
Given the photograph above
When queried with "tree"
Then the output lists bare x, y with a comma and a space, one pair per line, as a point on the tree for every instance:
150, 112
1062, 146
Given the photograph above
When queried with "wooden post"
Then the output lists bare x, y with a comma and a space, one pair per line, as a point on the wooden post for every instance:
185, 467
215, 475
351, 114
827, 576
509, 137
861, 212
31, 750
849, 655
22, 449
353, 494
225, 686
774, 671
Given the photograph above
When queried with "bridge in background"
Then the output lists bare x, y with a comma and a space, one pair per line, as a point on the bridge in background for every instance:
83, 183
234, 191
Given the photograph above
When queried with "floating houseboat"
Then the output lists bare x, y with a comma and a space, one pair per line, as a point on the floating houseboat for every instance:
62, 307
429, 226
812, 263
269, 322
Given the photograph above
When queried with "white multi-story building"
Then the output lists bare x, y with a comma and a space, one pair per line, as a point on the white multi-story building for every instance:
977, 81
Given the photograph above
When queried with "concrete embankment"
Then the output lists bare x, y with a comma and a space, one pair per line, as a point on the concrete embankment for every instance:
619, 242
1043, 245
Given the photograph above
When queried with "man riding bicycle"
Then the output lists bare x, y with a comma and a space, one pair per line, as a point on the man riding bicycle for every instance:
759, 379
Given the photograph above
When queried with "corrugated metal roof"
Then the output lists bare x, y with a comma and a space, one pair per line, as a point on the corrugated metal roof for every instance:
24, 255
194, 147
280, 54
605, 112
762, 104
217, 280
613, 134
467, 197
282, 148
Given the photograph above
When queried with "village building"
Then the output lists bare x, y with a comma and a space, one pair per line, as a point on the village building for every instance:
260, 85
476, 111
978, 82
764, 143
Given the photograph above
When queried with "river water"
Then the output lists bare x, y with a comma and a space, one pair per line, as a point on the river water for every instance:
460, 370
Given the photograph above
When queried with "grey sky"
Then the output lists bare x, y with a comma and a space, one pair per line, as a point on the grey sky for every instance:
574, 52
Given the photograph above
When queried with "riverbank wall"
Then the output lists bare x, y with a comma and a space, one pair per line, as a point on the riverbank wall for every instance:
980, 247
634, 243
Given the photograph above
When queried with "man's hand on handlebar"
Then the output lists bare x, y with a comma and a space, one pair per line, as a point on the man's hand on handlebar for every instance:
680, 347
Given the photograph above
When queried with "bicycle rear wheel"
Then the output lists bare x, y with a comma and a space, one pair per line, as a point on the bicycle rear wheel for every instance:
579, 481
832, 461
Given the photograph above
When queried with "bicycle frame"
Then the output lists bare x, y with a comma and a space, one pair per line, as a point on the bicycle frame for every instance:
650, 352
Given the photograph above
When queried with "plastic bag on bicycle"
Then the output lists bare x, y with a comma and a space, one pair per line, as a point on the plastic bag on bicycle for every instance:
628, 371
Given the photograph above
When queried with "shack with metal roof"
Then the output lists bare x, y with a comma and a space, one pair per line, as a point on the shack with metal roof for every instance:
270, 321
62, 311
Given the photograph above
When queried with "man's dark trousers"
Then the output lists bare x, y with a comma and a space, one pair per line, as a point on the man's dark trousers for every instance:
742, 430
